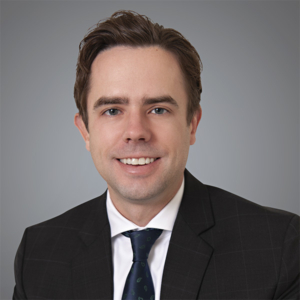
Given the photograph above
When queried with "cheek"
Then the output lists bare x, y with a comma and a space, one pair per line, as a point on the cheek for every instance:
99, 142
105, 137
177, 137
103, 132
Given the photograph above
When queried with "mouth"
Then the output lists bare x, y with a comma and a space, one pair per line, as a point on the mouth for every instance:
138, 161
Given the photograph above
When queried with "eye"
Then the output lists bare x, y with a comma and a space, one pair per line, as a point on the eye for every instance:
112, 112
159, 111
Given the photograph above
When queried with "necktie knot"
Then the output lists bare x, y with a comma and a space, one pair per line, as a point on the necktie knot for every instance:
142, 242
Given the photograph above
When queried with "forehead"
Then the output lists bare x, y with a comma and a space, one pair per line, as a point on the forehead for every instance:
136, 73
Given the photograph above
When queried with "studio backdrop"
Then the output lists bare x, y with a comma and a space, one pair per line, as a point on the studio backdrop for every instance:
248, 138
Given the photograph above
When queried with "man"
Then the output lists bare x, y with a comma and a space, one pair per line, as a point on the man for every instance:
138, 92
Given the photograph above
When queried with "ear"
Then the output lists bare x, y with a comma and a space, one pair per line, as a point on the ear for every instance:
194, 124
82, 129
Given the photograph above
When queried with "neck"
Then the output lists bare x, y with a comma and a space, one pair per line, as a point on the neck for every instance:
141, 212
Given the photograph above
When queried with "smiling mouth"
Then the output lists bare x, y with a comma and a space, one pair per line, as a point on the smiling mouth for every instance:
138, 161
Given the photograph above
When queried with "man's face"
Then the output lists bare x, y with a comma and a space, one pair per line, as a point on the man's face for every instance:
138, 133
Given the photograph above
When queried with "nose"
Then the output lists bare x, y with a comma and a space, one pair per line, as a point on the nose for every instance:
137, 128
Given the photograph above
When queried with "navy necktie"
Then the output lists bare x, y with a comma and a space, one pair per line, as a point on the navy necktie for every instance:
139, 284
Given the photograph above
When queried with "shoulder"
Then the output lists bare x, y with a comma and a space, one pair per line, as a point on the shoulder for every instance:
229, 205
252, 225
73, 218
225, 205
63, 229
248, 240
236, 216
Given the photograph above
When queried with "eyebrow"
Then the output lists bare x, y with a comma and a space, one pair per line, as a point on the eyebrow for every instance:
110, 101
125, 101
162, 99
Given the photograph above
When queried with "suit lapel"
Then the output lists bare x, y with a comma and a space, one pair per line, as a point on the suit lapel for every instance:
188, 254
92, 268
187, 259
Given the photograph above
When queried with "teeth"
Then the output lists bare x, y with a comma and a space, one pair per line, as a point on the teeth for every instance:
134, 161
137, 161
142, 161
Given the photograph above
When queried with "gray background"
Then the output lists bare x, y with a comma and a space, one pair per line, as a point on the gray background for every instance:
248, 138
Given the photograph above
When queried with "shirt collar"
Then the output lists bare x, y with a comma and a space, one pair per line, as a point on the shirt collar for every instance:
165, 219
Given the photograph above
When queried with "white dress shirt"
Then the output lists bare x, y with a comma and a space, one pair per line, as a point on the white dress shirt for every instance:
121, 245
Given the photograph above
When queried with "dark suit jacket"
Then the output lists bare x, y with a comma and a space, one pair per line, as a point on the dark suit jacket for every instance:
222, 247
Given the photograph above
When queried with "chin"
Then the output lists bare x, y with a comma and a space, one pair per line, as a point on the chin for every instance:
140, 192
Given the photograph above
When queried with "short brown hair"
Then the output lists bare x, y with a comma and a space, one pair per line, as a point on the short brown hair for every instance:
128, 28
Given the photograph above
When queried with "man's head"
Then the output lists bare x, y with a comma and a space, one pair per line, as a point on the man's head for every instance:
137, 103
127, 28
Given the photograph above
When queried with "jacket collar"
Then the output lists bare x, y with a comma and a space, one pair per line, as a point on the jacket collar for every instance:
92, 270
188, 254
196, 209
96, 222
